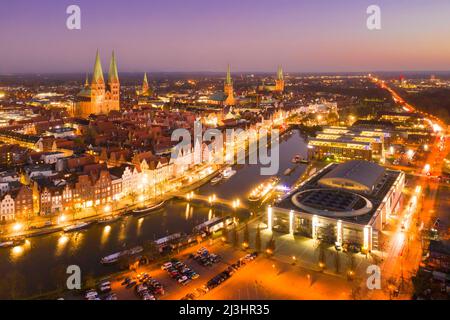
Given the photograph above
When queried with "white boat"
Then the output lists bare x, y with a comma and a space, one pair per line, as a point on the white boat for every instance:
154, 207
135, 250
108, 219
12, 242
228, 172
77, 226
216, 179
113, 258
6, 244
263, 189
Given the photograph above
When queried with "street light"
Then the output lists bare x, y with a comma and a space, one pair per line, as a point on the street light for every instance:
17, 227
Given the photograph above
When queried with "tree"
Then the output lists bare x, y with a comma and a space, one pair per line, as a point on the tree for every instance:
329, 234
225, 234
322, 253
246, 234
75, 211
337, 262
270, 246
235, 237
133, 196
89, 282
258, 239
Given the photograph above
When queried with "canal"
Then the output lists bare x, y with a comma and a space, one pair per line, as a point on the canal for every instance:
38, 266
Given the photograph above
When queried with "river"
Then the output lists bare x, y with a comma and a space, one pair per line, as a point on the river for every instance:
38, 265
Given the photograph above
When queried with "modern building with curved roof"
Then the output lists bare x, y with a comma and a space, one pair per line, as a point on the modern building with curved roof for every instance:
349, 202
355, 175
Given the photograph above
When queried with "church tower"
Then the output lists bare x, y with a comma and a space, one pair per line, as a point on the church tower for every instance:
145, 90
279, 83
97, 88
96, 97
228, 89
113, 86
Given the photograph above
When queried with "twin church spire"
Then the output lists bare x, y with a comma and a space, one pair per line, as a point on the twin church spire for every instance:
98, 97
113, 75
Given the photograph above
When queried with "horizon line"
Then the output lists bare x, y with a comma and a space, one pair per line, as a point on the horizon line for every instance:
224, 71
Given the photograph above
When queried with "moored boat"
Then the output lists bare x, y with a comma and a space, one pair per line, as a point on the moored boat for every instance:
12, 242
228, 172
108, 219
77, 226
150, 209
263, 189
113, 258
216, 179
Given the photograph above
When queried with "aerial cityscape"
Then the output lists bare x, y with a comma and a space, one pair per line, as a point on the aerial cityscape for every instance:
220, 155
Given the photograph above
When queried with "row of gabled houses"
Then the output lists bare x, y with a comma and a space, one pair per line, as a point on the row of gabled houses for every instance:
84, 181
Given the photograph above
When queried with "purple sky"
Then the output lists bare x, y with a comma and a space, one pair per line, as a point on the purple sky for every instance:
205, 35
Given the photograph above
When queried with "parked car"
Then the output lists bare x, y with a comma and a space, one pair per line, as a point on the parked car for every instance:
166, 265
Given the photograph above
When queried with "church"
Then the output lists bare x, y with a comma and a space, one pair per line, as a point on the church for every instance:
279, 84
98, 97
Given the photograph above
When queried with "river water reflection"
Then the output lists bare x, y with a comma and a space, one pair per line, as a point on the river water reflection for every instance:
38, 266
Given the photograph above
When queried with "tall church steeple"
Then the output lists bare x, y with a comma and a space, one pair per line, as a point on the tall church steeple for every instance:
97, 98
146, 91
145, 83
279, 82
97, 77
228, 88
113, 85
280, 73
113, 76
228, 79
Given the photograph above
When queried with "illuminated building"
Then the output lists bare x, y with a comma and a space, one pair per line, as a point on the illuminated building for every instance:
228, 89
347, 203
279, 83
344, 144
97, 97
446, 166
146, 95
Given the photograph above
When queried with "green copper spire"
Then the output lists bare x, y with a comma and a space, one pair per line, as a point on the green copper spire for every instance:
280, 73
145, 83
228, 80
98, 72
113, 75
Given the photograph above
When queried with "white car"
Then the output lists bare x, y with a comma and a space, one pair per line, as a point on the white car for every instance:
105, 288
148, 297
166, 265
91, 295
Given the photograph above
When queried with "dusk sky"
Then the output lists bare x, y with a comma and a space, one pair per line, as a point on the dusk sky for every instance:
206, 35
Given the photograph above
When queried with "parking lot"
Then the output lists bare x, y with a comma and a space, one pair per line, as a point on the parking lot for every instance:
259, 278
173, 290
